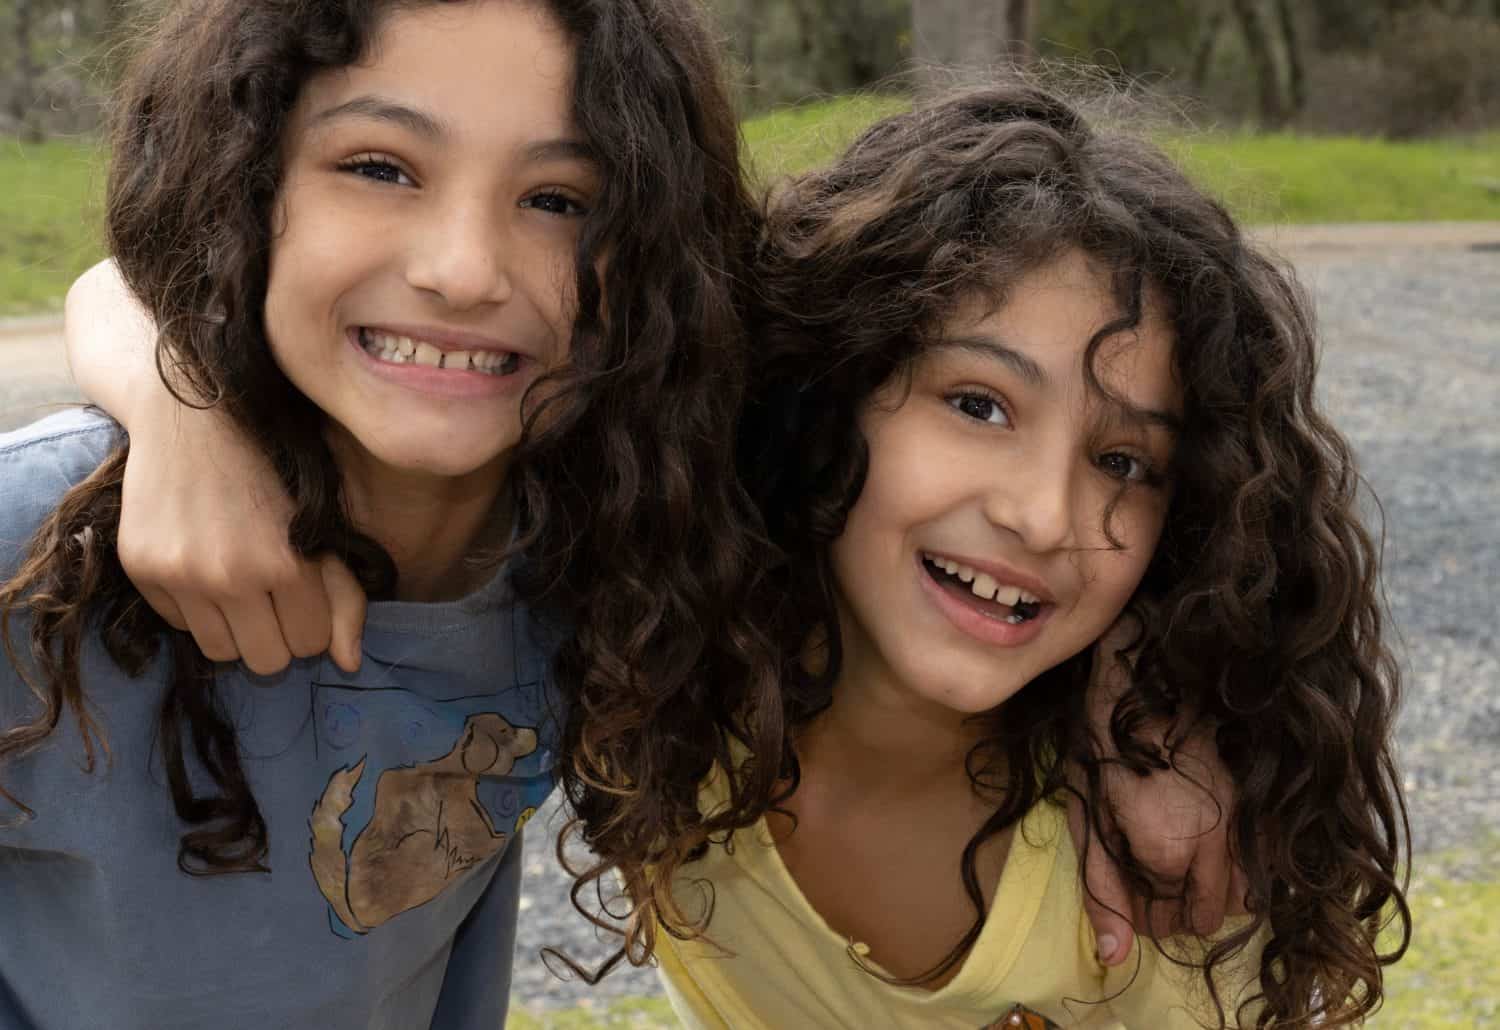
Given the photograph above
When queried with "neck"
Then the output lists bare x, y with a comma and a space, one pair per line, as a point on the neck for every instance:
881, 738
428, 523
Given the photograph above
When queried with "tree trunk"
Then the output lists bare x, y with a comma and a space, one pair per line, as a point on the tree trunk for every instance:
1020, 16
23, 88
1258, 45
1203, 54
1296, 81
958, 40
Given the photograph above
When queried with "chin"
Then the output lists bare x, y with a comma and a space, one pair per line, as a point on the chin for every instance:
445, 457
971, 691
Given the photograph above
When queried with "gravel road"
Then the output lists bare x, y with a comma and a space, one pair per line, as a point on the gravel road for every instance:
1411, 373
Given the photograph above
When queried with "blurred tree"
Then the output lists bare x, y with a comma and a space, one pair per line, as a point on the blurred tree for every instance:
26, 70
969, 36
50, 74
1274, 110
790, 49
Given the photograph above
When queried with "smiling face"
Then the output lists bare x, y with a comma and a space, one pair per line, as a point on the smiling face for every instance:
421, 263
976, 556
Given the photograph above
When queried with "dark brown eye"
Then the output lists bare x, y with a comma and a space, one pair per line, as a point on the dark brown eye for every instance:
1123, 466
980, 407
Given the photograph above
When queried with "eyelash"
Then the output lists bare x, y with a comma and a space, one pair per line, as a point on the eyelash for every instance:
372, 160
1146, 474
358, 164
971, 393
573, 208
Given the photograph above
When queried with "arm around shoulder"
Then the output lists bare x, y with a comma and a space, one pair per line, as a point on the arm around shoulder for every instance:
110, 342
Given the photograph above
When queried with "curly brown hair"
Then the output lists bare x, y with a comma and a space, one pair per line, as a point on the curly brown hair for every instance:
632, 527
1260, 612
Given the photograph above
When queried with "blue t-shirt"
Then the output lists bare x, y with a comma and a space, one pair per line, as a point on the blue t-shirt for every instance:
393, 801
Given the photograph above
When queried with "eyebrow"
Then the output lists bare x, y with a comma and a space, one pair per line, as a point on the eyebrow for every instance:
560, 150
432, 127
989, 347
382, 110
1035, 375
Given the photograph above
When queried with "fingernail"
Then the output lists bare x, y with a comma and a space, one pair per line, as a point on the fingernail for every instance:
1108, 945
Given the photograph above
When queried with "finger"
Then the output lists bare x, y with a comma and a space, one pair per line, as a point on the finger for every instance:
1238, 902
161, 602
346, 603
209, 628
1105, 898
301, 607
257, 634
1209, 882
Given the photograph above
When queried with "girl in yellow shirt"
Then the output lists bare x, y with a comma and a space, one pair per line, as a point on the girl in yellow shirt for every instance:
1031, 410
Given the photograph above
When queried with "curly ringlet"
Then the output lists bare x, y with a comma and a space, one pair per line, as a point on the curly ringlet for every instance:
1261, 615
634, 530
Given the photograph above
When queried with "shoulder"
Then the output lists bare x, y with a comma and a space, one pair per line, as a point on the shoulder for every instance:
78, 438
40, 462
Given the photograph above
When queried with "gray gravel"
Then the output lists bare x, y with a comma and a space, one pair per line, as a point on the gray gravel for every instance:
1411, 373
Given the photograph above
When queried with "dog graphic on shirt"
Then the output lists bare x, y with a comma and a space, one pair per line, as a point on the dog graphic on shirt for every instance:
428, 826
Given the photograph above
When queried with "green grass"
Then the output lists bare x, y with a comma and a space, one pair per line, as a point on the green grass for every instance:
1263, 178
49, 207
1450, 976
50, 220
1286, 178
795, 139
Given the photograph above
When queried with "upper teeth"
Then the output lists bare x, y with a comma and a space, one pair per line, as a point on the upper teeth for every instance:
403, 349
983, 585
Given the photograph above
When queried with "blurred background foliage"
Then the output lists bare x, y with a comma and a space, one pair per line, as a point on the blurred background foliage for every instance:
1395, 68
1392, 68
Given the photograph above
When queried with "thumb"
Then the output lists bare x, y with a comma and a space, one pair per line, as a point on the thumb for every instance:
346, 602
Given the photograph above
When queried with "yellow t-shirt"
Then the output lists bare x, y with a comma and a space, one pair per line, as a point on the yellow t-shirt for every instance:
773, 962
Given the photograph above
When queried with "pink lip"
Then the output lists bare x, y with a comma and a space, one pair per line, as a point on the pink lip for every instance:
443, 382
975, 623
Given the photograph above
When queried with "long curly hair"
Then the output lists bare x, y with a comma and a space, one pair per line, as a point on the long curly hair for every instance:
634, 534
1260, 612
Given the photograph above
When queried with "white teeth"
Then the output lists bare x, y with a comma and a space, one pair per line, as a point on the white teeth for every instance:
404, 350
983, 585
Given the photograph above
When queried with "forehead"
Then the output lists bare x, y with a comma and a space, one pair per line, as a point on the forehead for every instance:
1047, 318
484, 68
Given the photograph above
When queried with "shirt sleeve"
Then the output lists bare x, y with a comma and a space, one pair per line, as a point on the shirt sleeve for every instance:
688, 1001
476, 986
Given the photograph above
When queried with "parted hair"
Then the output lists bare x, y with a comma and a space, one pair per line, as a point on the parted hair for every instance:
1261, 620
633, 534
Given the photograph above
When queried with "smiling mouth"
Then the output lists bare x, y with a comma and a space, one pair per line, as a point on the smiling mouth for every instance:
999, 601
403, 350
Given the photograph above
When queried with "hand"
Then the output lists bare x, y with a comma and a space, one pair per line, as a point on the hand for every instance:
203, 536
203, 525
1176, 822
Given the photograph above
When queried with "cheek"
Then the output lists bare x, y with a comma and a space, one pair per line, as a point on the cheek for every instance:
1119, 573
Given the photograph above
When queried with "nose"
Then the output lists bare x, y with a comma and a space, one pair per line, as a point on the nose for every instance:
1037, 500
463, 254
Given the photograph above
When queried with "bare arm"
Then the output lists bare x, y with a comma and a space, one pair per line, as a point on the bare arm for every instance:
203, 522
